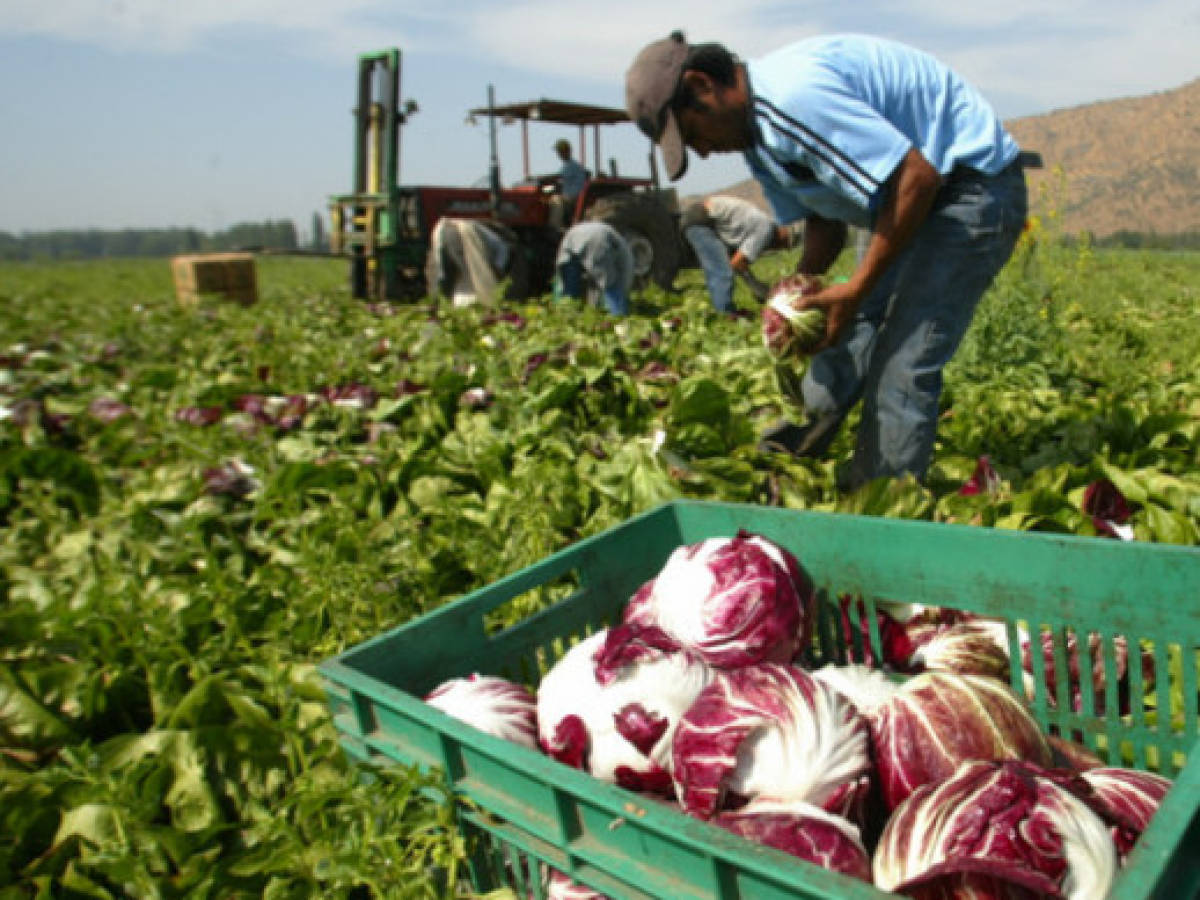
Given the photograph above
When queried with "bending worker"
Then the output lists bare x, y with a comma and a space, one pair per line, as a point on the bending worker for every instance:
851, 129
467, 260
717, 225
595, 263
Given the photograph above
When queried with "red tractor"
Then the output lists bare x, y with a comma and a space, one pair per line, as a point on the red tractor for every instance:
384, 227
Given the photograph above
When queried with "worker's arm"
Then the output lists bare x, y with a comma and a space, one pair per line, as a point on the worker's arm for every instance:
910, 194
740, 263
823, 241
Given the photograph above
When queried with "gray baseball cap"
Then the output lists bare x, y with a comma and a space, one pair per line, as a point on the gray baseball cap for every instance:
650, 84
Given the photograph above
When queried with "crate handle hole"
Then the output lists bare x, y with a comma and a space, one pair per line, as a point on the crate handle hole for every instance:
531, 602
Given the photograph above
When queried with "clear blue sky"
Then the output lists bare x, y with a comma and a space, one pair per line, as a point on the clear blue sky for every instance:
160, 113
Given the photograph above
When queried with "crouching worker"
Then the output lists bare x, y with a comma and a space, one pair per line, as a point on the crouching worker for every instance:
728, 234
468, 258
595, 263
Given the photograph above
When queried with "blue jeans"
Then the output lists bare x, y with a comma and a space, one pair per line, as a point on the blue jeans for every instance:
574, 284
714, 260
909, 327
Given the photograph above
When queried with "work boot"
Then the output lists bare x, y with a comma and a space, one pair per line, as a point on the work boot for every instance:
783, 437
813, 438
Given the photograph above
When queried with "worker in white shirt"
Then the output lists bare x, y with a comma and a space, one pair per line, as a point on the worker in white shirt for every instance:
467, 260
728, 234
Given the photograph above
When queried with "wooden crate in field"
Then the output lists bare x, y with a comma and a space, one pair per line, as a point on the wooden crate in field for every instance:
227, 275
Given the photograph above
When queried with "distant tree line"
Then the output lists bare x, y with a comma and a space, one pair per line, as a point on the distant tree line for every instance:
1142, 240
96, 243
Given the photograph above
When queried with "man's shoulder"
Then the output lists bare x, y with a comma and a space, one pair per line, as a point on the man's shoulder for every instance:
792, 79
806, 70
804, 54
823, 46
722, 204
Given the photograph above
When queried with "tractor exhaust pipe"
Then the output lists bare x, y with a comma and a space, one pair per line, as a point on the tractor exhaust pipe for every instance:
494, 163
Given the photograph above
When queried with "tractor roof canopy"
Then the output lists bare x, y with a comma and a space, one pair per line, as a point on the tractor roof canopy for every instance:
555, 112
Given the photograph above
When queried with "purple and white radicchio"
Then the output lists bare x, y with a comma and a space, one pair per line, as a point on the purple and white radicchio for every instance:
494, 705
619, 727
803, 830
1071, 755
1085, 664
915, 638
937, 720
563, 887
771, 732
971, 886
1129, 798
866, 688
965, 648
898, 624
733, 601
993, 829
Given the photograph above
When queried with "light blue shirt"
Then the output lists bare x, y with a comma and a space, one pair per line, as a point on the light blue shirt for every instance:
834, 115
574, 177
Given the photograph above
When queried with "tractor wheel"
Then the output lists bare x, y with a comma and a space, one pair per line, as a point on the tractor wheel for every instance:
649, 228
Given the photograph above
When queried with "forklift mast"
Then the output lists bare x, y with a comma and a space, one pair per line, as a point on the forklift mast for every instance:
368, 223
377, 123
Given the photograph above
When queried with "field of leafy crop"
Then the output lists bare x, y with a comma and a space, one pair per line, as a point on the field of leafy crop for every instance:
199, 505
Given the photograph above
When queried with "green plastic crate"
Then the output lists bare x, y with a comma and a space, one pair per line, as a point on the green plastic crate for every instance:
529, 809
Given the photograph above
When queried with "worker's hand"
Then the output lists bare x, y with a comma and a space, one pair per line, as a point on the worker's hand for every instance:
840, 301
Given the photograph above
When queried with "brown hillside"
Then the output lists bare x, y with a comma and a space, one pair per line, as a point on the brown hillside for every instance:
1131, 164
